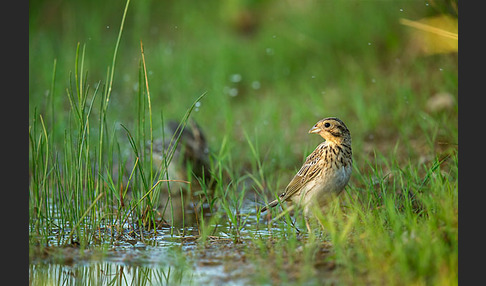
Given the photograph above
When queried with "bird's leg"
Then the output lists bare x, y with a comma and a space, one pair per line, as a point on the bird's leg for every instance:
293, 225
307, 224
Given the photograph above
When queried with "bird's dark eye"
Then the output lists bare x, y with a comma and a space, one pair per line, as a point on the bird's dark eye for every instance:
327, 124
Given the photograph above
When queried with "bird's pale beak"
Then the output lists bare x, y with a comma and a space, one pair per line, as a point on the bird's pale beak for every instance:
315, 129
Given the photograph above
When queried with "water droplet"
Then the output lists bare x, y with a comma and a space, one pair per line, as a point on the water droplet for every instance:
274, 36
369, 44
441, 69
107, 27
198, 104
269, 51
313, 76
235, 77
231, 91
401, 10
255, 84
373, 80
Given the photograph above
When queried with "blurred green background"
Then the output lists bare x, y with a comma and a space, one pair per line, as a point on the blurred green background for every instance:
270, 68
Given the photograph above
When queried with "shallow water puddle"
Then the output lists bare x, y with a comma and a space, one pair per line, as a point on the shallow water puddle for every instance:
174, 261
159, 257
231, 254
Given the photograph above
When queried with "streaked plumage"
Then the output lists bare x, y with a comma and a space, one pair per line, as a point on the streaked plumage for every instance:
325, 172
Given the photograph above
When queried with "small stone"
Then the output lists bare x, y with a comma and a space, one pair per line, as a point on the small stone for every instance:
440, 102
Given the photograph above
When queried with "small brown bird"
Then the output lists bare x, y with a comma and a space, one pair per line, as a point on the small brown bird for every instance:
192, 149
325, 172
191, 162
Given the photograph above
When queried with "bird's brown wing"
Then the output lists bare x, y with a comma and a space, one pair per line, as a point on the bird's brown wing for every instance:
312, 166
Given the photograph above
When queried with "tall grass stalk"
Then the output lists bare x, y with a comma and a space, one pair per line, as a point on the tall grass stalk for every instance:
108, 89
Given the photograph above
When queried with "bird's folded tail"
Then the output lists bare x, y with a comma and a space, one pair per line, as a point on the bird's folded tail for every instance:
270, 205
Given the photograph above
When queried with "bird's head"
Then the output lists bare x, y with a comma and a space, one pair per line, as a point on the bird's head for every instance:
332, 129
